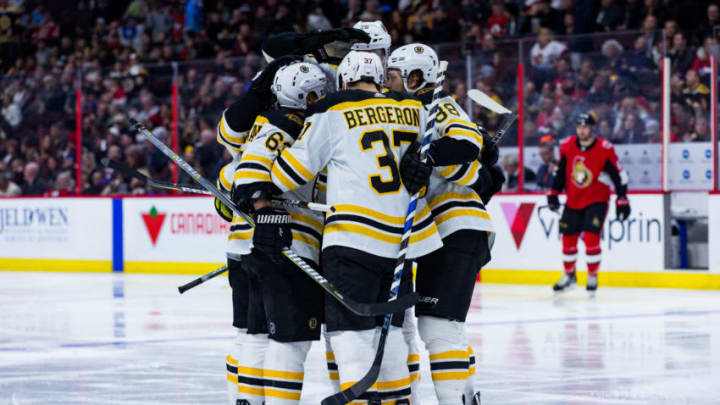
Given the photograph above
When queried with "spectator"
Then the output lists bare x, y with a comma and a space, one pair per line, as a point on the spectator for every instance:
632, 15
32, 184
681, 55
610, 16
631, 131
7, 187
604, 130
701, 64
316, 21
64, 186
193, 15
546, 171
701, 131
10, 111
546, 50
696, 94
443, 29
500, 21
539, 15
612, 50
510, 167
638, 59
712, 22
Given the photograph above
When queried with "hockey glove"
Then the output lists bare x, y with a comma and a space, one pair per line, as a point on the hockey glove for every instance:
553, 202
316, 40
245, 195
223, 210
490, 152
498, 179
414, 173
262, 83
272, 232
622, 208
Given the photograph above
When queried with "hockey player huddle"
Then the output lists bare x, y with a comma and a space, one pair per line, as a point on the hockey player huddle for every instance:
346, 130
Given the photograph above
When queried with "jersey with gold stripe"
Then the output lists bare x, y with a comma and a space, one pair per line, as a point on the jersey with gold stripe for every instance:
454, 204
234, 142
272, 132
360, 137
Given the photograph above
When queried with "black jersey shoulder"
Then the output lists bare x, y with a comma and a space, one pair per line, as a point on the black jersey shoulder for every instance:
289, 121
345, 96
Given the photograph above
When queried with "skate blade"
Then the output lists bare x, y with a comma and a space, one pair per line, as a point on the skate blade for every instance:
566, 289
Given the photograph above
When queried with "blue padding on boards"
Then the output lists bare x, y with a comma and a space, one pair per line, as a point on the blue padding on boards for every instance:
117, 238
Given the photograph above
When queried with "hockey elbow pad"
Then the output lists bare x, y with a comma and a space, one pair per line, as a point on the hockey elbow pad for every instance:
448, 152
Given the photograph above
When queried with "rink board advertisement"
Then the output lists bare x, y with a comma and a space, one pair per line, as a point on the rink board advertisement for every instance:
528, 238
55, 234
163, 233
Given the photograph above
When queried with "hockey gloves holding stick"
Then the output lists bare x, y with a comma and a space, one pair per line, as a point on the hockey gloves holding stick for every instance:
272, 232
414, 173
622, 207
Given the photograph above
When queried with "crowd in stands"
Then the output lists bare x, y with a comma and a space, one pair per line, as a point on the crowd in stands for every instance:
579, 55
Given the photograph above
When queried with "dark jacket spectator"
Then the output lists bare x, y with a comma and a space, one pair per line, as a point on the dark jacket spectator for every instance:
681, 55
610, 16
33, 184
546, 171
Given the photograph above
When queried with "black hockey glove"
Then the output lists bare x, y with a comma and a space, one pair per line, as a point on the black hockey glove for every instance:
414, 173
246, 195
490, 152
553, 202
223, 210
316, 40
272, 232
622, 208
498, 179
262, 83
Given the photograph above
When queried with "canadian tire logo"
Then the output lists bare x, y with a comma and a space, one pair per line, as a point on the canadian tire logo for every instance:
517, 217
153, 223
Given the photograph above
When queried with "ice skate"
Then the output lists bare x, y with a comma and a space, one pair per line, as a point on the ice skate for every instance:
566, 283
476, 399
592, 285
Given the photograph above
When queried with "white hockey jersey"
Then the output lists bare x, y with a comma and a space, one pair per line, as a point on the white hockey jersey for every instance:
454, 205
360, 136
234, 142
272, 132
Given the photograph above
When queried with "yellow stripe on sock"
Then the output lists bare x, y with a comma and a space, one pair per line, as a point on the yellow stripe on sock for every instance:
229, 359
232, 378
334, 375
450, 375
275, 393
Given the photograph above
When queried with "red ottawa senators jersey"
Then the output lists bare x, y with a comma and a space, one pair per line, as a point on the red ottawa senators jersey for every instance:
586, 173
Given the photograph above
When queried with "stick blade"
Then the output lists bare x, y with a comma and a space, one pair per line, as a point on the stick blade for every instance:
389, 307
484, 100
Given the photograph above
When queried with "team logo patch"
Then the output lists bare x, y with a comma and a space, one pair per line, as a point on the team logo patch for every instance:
596, 221
581, 175
304, 68
419, 49
518, 217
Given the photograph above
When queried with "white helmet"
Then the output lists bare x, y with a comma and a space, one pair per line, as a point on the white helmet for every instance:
409, 58
294, 82
357, 65
379, 37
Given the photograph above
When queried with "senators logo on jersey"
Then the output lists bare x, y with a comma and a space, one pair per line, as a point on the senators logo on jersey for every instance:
580, 173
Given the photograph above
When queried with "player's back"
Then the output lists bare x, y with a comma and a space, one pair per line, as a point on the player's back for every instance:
360, 136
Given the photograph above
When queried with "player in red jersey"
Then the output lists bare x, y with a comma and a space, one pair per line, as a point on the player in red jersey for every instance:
588, 167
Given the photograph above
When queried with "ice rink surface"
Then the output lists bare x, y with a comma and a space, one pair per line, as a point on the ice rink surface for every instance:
132, 339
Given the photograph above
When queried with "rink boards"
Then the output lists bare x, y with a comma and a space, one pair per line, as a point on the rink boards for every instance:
184, 235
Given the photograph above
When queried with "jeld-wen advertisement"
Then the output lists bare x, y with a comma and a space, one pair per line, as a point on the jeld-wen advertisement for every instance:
173, 230
56, 228
527, 235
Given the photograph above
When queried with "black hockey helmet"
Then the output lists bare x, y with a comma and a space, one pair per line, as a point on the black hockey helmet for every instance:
586, 119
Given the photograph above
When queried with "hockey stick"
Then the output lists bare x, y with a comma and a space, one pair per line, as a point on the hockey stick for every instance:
202, 279
484, 100
355, 391
361, 309
508, 122
130, 172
